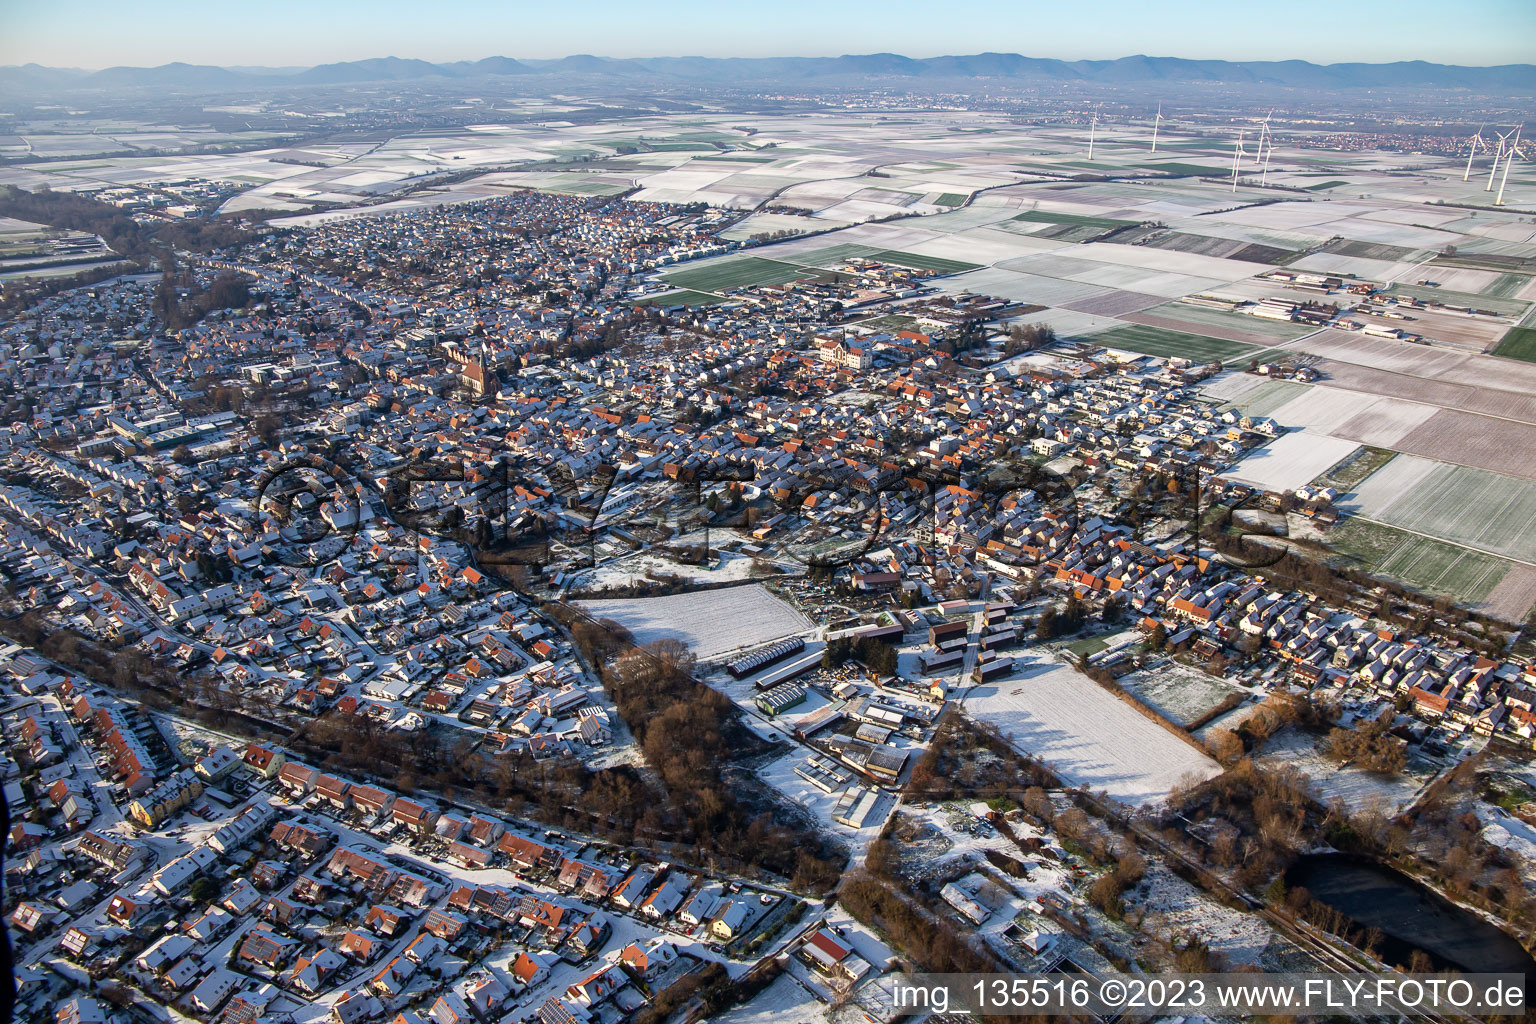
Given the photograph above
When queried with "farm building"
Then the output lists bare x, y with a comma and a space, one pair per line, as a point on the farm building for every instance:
780, 698
763, 656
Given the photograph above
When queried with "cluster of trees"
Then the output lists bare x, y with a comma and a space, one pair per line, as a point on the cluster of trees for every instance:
1026, 338
1272, 811
1370, 746
692, 737
1053, 624
878, 655
972, 760
924, 937
177, 310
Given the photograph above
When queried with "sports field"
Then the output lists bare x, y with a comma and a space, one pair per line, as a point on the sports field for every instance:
1433, 565
1519, 343
1046, 217
1158, 341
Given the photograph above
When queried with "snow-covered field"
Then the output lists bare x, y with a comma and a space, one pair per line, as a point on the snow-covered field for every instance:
1086, 733
710, 622
1290, 461
1178, 691
731, 568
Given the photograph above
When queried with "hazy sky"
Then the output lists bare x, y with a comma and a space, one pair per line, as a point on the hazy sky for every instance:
102, 33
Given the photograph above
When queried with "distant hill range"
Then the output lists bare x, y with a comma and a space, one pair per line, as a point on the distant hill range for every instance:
873, 69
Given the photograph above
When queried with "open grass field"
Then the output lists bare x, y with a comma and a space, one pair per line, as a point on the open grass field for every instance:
918, 261
1046, 217
950, 199
1158, 341
1438, 567
1325, 185
734, 273
686, 297
1093, 738
1518, 343
710, 622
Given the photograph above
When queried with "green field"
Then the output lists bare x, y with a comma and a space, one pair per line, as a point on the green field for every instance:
919, 262
1159, 341
1348, 474
1506, 285
1433, 565
734, 273
686, 297
950, 199
1519, 343
1322, 185
1044, 217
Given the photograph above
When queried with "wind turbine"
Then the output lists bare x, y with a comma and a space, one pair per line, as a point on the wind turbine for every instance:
1092, 124
1237, 157
1477, 140
1497, 156
1263, 135
1268, 151
1514, 148
1158, 121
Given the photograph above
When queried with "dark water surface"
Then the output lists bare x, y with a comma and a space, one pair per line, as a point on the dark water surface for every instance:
1410, 915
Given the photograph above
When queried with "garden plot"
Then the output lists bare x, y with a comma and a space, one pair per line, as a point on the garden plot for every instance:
1358, 788
1187, 912
1091, 737
1482, 510
1178, 691
1290, 461
710, 622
